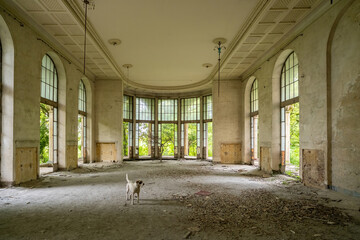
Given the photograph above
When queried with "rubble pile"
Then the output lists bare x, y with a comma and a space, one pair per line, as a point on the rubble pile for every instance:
259, 212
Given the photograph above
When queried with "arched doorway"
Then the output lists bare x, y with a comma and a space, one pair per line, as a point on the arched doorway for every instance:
7, 103
254, 123
48, 116
289, 115
82, 124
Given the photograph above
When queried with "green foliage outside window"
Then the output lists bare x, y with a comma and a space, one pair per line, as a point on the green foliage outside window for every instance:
192, 144
168, 139
79, 136
294, 134
44, 133
210, 140
125, 138
144, 139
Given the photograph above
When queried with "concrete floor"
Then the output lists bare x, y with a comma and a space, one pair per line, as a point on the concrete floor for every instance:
180, 199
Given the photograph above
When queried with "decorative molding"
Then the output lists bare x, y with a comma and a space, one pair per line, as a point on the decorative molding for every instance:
15, 11
257, 12
287, 39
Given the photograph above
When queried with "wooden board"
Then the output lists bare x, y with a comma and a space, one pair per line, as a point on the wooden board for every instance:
265, 159
231, 153
313, 173
26, 164
106, 152
71, 157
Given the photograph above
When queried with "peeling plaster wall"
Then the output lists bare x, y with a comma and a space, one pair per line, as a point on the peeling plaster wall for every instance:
109, 114
227, 116
311, 50
345, 97
27, 77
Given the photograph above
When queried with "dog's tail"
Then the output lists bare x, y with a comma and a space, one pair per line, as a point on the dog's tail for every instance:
127, 178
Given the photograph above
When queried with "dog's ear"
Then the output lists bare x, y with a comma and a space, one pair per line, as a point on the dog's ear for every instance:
139, 182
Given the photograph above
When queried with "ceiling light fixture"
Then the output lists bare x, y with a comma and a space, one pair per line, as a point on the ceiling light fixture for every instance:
220, 45
207, 65
87, 4
114, 41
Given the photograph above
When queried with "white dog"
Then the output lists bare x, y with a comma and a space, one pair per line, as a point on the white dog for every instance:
132, 188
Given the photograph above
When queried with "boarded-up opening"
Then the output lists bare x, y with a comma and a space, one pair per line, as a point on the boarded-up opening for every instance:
71, 156
106, 152
231, 153
265, 159
313, 173
26, 164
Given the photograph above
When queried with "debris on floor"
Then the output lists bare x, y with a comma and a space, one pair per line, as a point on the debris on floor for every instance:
203, 193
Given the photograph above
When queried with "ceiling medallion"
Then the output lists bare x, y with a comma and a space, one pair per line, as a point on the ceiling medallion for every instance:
207, 65
127, 65
114, 41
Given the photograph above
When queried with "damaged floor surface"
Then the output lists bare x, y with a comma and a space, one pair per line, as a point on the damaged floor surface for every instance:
180, 200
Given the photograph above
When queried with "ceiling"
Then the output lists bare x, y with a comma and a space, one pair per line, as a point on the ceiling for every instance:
166, 41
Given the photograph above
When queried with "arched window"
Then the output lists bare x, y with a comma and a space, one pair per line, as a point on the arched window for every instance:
254, 98
254, 119
290, 113
82, 98
290, 80
82, 123
49, 112
49, 80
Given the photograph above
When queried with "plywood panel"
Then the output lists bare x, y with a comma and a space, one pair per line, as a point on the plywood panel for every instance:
71, 157
106, 152
230, 153
313, 173
26, 164
265, 159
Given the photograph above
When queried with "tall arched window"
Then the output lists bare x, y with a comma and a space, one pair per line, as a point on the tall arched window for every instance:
82, 123
254, 119
49, 112
290, 113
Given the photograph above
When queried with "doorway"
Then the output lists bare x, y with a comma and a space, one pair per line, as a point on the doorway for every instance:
48, 138
255, 148
191, 136
168, 140
127, 140
290, 138
145, 141
208, 140
81, 139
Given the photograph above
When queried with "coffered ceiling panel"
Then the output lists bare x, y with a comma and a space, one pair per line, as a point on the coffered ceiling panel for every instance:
52, 5
279, 17
167, 42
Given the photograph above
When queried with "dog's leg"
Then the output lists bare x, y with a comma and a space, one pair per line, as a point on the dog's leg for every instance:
138, 195
132, 198
127, 192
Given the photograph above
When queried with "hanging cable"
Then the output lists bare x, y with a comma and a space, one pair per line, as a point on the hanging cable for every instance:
86, 2
219, 47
